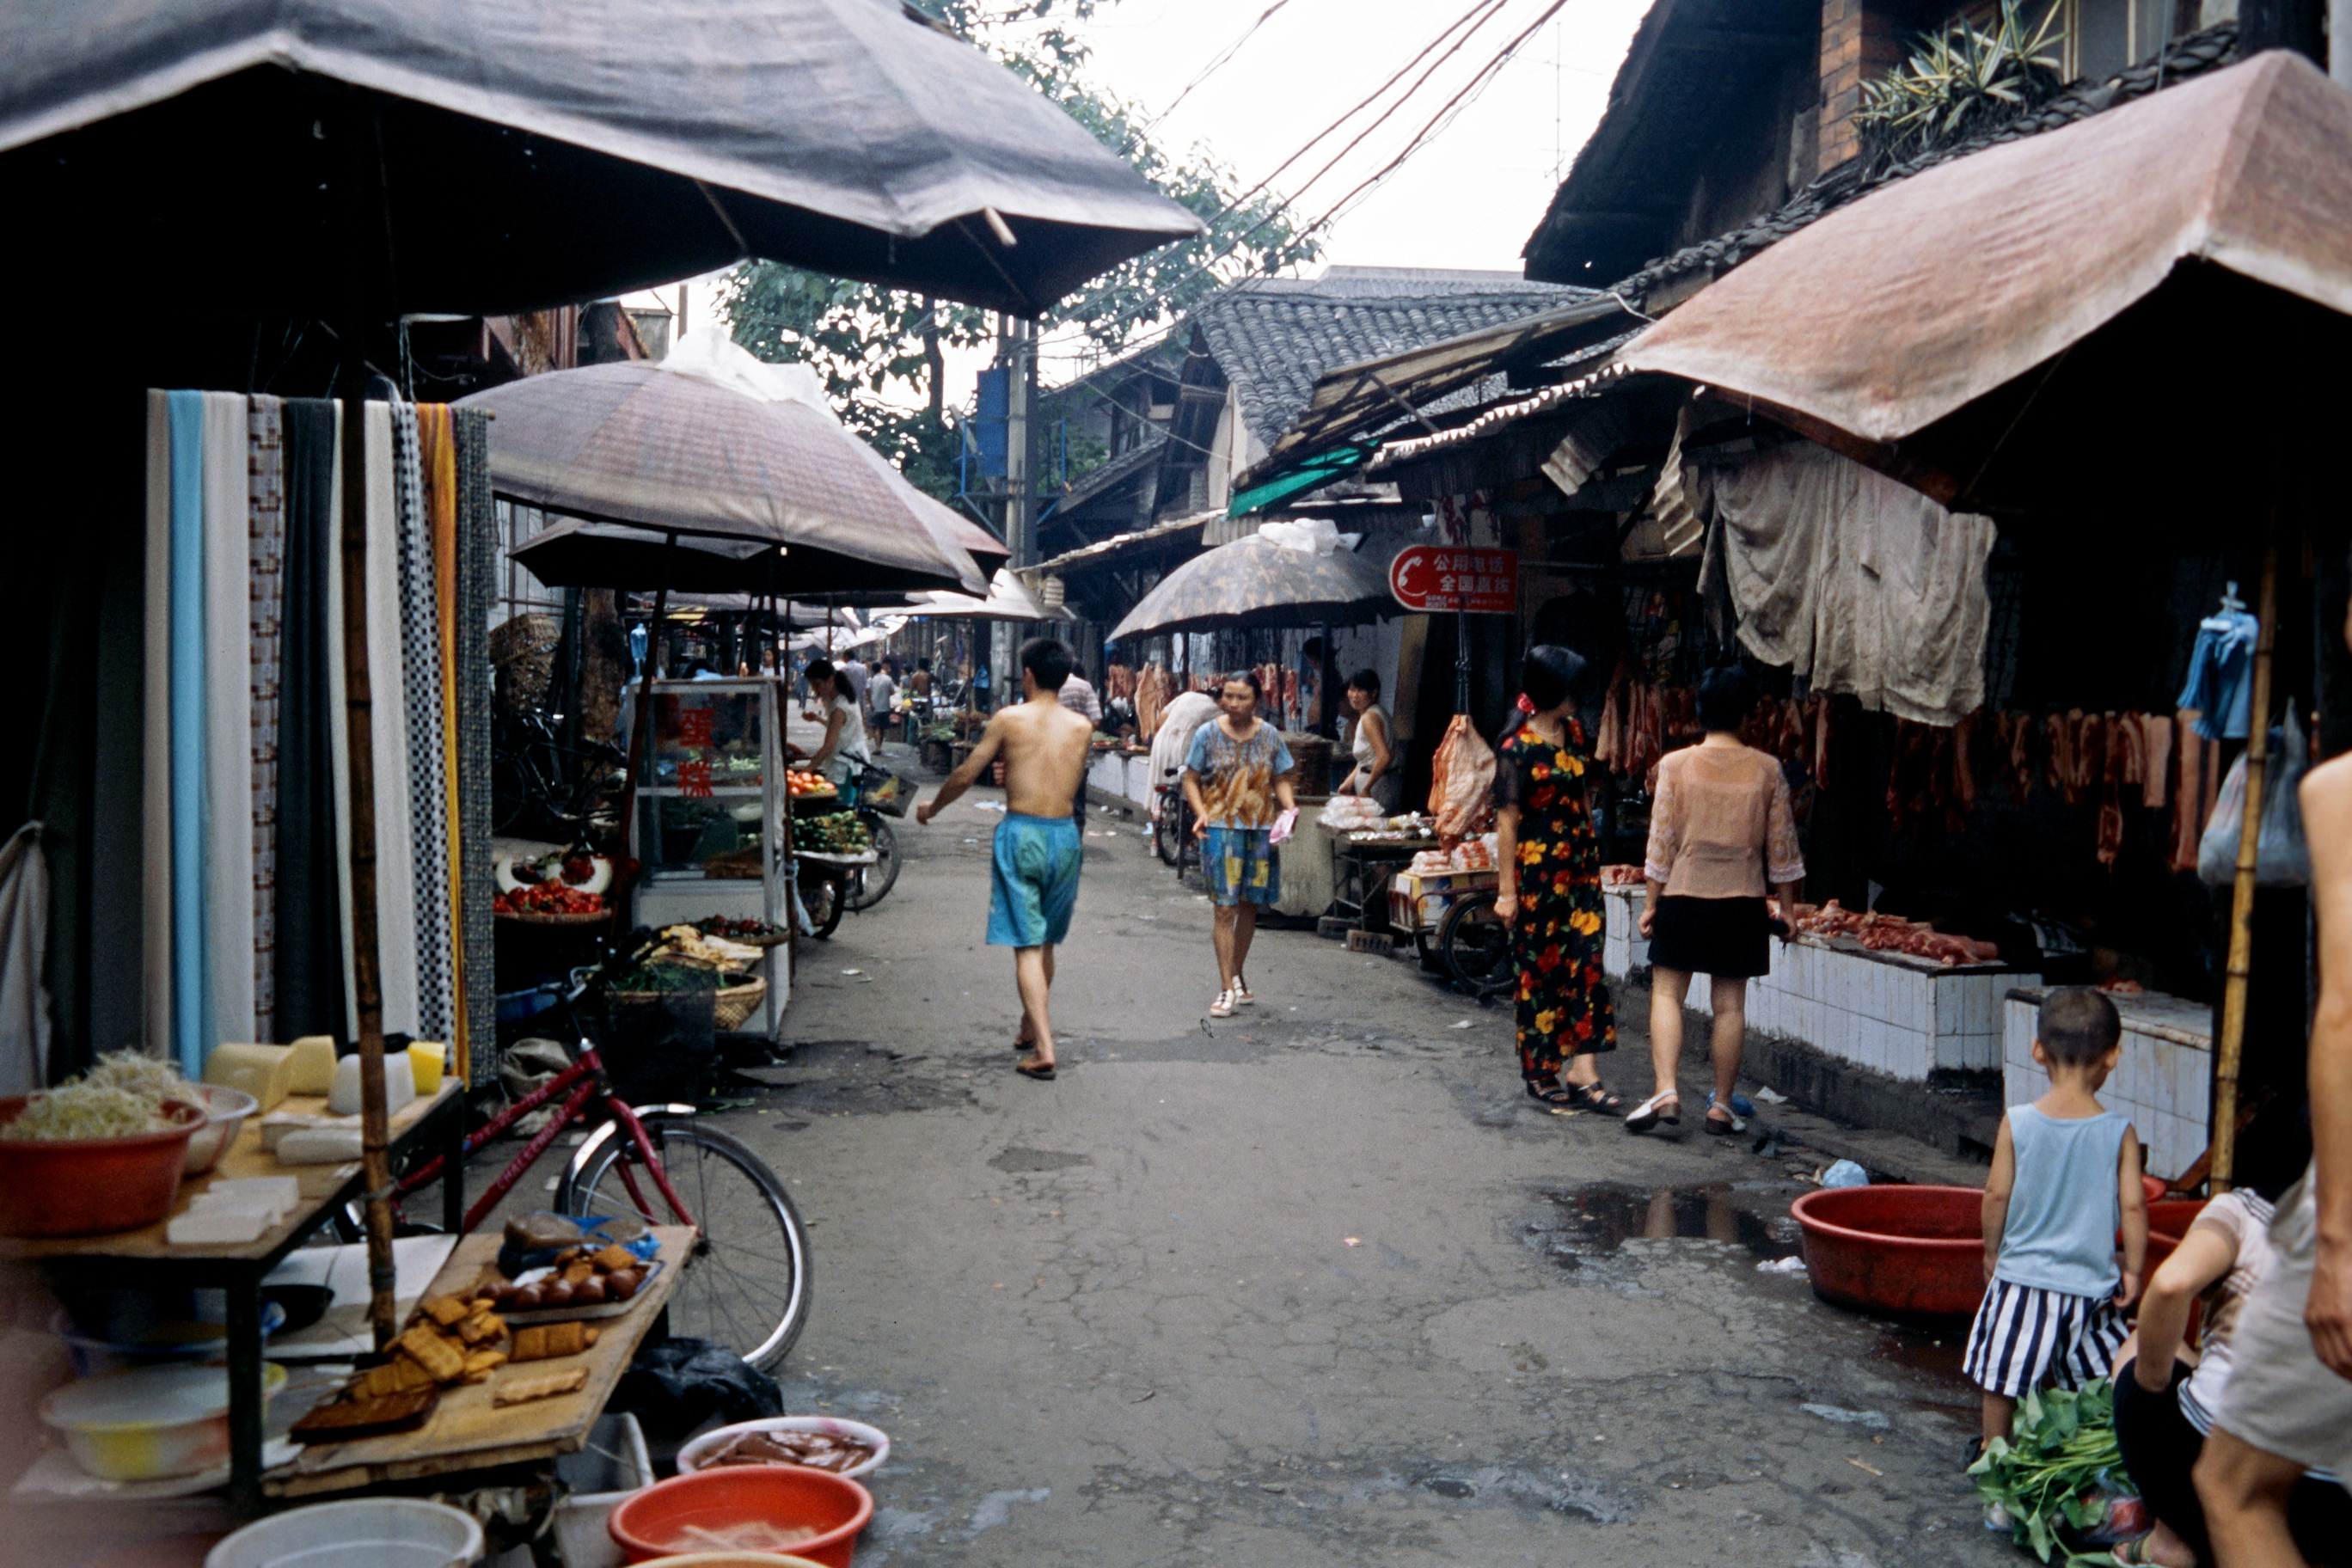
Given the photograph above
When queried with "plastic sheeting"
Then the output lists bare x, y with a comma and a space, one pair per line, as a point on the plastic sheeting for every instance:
24, 930
846, 135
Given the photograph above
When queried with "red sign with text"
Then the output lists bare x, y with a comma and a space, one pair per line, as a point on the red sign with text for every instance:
1455, 577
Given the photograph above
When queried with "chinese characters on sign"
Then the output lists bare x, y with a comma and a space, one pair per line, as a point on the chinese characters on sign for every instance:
694, 780
1450, 577
693, 726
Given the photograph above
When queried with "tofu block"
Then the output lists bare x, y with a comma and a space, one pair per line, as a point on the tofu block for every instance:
286, 1190
215, 1227
314, 1064
542, 1385
447, 1310
264, 1072
441, 1357
319, 1146
399, 1084
276, 1128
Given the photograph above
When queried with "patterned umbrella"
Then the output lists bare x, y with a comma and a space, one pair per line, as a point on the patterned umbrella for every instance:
1255, 582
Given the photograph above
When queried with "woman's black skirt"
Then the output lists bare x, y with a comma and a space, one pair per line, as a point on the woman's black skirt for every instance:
1730, 938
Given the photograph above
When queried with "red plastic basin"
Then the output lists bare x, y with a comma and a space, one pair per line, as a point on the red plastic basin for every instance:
1903, 1251
90, 1186
664, 1520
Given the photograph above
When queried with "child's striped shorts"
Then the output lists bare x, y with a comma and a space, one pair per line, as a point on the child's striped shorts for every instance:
2025, 1337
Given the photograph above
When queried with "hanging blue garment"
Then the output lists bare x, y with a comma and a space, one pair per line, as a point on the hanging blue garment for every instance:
637, 649
190, 1000
2221, 685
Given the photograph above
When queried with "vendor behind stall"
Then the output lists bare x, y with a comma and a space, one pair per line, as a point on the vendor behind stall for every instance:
1379, 771
843, 752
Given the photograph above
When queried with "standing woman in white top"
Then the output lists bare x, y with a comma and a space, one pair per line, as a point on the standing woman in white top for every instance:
1377, 772
1720, 828
844, 752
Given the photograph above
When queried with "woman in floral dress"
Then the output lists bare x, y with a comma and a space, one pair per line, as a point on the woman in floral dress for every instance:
1549, 860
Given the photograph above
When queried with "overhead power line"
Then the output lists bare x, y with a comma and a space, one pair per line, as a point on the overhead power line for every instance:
1211, 69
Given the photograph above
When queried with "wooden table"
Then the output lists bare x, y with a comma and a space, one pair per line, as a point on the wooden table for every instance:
467, 1430
143, 1257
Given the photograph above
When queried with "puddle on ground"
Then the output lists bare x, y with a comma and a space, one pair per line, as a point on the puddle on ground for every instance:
1594, 1221
1936, 1350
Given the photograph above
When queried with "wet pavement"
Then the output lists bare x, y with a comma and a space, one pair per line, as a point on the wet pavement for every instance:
1313, 1285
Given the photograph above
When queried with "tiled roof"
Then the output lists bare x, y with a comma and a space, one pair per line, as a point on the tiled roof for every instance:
1272, 337
2184, 58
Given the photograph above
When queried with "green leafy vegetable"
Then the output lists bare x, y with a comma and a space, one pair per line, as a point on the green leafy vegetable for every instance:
2059, 1466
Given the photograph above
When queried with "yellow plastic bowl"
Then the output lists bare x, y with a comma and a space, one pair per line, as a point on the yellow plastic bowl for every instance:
150, 1421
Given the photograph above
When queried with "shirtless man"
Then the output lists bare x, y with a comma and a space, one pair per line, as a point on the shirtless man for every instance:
2288, 1406
1034, 885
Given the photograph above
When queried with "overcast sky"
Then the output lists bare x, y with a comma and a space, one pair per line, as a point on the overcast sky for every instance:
1468, 198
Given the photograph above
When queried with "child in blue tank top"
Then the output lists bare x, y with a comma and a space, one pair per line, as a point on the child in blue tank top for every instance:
2065, 1177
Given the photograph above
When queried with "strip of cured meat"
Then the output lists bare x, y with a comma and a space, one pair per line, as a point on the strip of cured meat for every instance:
2110, 838
2198, 782
2059, 751
1609, 737
1821, 742
2157, 731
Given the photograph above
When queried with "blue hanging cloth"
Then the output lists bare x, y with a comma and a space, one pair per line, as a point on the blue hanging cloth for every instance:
2221, 685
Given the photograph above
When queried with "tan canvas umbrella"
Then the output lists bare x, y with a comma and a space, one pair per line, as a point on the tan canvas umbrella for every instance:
1008, 599
712, 443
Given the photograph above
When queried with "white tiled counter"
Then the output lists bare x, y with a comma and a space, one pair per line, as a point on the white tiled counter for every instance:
1107, 770
2164, 1080
1625, 950
1887, 1011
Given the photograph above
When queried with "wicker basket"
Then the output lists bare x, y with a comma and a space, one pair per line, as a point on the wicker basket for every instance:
737, 1003
547, 918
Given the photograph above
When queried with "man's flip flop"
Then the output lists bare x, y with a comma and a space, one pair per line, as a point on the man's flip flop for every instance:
1042, 1071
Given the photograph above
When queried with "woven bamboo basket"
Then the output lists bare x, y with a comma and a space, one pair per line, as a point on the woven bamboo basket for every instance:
738, 1002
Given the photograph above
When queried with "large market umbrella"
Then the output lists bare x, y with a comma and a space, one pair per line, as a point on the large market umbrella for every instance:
1008, 599
712, 443
1254, 582
497, 155
2039, 325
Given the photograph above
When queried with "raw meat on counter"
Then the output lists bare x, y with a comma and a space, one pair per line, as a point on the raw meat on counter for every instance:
1891, 934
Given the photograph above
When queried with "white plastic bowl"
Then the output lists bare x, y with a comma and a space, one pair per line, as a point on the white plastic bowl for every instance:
225, 1110
151, 1422
360, 1532
690, 1457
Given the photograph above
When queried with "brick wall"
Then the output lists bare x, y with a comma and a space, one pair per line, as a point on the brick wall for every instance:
1858, 40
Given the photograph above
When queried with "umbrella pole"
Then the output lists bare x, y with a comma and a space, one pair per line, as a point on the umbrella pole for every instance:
641, 740
2229, 1048
367, 976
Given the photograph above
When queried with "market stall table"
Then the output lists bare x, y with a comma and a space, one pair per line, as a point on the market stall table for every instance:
468, 1430
1363, 864
148, 1259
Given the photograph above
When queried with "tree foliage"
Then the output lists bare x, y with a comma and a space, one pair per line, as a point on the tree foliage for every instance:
878, 349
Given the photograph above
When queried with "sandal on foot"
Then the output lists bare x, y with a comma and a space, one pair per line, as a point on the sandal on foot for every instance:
1595, 1096
1726, 1128
1223, 1007
1666, 1108
1031, 1068
1243, 996
1552, 1095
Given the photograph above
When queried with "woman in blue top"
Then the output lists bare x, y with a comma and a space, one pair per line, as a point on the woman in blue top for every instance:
1236, 772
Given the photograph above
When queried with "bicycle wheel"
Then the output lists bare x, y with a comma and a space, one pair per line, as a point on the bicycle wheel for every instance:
873, 882
821, 896
747, 1284
1475, 946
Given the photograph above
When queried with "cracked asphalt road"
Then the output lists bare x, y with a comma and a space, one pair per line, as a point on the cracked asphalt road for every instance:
1314, 1285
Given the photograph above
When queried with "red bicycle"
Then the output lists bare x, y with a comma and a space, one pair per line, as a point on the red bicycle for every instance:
747, 1283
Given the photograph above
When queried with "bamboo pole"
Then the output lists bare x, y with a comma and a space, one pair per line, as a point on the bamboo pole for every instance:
641, 739
359, 709
2231, 1046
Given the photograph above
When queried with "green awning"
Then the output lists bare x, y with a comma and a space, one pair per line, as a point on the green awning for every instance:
1313, 474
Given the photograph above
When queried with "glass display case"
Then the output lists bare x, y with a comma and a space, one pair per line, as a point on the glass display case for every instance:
709, 830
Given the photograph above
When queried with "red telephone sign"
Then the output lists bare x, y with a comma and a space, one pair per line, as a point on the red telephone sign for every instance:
1455, 577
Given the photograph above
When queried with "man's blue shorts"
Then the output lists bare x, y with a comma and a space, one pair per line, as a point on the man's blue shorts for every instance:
1035, 883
